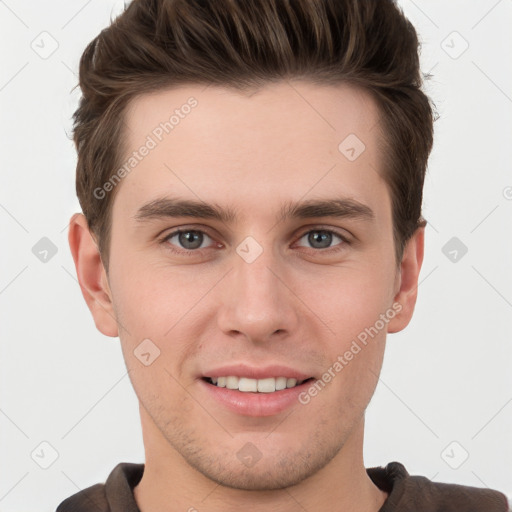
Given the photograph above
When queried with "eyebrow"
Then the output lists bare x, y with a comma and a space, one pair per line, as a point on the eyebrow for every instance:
168, 207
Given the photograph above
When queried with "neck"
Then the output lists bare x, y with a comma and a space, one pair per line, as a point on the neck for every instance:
170, 484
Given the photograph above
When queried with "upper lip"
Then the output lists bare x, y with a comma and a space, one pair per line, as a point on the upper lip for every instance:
251, 372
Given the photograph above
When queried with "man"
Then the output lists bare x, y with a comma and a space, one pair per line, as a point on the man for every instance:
250, 174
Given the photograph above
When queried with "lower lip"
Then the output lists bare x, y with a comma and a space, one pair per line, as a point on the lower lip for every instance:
256, 404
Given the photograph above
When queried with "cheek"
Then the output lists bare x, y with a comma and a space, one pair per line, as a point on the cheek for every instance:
150, 299
356, 307
157, 389
156, 304
350, 301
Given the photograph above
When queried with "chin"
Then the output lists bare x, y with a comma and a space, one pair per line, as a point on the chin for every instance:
266, 478
269, 469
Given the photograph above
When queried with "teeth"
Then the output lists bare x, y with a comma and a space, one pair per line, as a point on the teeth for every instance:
281, 383
268, 385
245, 384
290, 383
232, 382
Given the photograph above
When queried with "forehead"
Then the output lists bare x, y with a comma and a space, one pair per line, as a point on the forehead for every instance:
285, 140
321, 108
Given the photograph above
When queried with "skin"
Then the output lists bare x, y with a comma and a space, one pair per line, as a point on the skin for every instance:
293, 305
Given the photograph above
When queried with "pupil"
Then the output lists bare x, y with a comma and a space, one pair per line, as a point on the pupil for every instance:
185, 239
323, 235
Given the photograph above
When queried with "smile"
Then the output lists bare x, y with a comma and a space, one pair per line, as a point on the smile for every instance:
244, 384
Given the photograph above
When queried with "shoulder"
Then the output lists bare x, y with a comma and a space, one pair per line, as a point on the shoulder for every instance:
92, 498
408, 492
117, 492
455, 497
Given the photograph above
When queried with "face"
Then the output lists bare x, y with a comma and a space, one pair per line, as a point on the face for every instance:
311, 290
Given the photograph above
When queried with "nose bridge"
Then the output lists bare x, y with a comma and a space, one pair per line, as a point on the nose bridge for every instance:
258, 302
254, 272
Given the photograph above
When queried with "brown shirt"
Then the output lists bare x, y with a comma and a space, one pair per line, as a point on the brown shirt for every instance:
406, 493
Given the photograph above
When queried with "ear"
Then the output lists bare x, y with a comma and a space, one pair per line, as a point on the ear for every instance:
91, 275
406, 288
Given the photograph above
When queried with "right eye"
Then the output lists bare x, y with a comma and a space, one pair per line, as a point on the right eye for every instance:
190, 240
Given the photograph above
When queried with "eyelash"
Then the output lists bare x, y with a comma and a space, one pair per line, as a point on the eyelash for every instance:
193, 252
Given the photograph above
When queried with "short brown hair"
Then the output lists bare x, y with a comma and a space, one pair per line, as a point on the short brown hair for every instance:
157, 44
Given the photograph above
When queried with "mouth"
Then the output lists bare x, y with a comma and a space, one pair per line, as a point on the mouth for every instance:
259, 386
254, 397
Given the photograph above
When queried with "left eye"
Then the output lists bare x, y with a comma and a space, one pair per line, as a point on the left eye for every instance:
325, 238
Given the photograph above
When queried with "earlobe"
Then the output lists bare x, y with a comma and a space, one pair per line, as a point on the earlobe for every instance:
91, 275
408, 281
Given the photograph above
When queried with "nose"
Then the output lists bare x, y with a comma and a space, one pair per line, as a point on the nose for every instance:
257, 302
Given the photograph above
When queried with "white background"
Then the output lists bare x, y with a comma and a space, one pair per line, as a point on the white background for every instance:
445, 379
